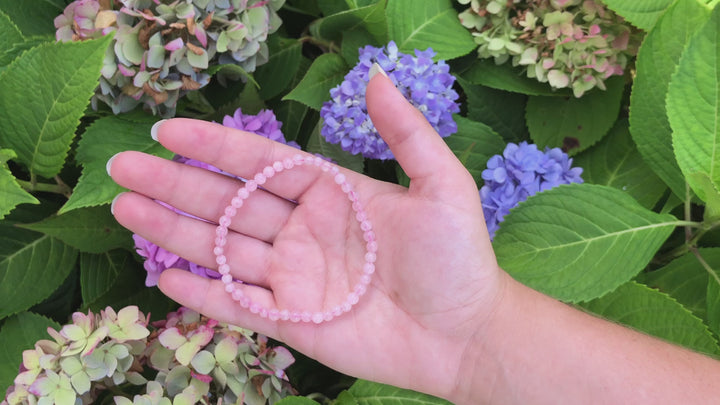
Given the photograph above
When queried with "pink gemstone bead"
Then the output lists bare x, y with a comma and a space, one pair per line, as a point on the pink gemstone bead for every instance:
328, 316
284, 315
318, 317
369, 236
260, 178
255, 308
236, 203
365, 279
245, 301
352, 196
365, 225
360, 289
224, 221
353, 298
370, 257
221, 231
339, 178
268, 172
251, 185
372, 246
325, 166
368, 268
220, 259
278, 166
298, 160
295, 316
220, 241
274, 314
288, 164
263, 313
243, 193
224, 269
238, 295
317, 161
346, 187
218, 250
334, 169
306, 316
346, 306
230, 211
227, 278
230, 288
337, 311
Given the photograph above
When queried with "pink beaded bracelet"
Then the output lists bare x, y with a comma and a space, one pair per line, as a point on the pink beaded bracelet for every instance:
244, 192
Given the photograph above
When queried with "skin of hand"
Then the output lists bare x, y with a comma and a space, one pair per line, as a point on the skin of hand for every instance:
436, 283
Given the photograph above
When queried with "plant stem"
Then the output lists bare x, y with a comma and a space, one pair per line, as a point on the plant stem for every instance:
58, 188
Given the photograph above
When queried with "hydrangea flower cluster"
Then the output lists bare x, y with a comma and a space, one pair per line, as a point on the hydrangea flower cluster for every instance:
427, 85
574, 44
191, 359
520, 172
157, 259
161, 50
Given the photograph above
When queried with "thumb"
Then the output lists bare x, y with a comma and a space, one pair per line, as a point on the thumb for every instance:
421, 152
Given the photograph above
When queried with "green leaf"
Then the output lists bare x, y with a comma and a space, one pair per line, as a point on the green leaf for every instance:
11, 194
278, 72
31, 268
318, 144
655, 313
293, 400
19, 333
352, 42
503, 111
640, 13
572, 123
577, 242
33, 17
99, 272
91, 230
326, 72
685, 280
657, 60
103, 139
43, 94
615, 162
474, 144
367, 393
291, 113
9, 36
505, 77
420, 25
693, 107
369, 18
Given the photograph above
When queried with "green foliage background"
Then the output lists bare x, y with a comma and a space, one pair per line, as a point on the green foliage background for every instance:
637, 243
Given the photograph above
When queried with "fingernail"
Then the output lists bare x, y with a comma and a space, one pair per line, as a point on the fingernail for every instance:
154, 130
375, 69
112, 204
109, 163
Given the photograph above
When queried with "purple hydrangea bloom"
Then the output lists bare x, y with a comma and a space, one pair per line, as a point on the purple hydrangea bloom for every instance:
157, 259
520, 172
427, 85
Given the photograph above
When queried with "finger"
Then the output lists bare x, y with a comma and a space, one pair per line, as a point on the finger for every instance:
210, 298
432, 167
191, 239
241, 153
200, 192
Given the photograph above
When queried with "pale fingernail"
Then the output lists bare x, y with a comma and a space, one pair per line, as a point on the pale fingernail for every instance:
108, 165
112, 204
375, 69
154, 130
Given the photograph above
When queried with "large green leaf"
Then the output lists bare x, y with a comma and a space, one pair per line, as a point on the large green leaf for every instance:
103, 139
9, 36
434, 24
293, 400
19, 333
99, 272
685, 280
31, 268
574, 123
91, 229
503, 111
640, 13
43, 94
370, 18
577, 242
615, 162
278, 72
364, 392
11, 194
693, 107
505, 77
474, 144
326, 72
33, 17
318, 144
657, 60
655, 313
